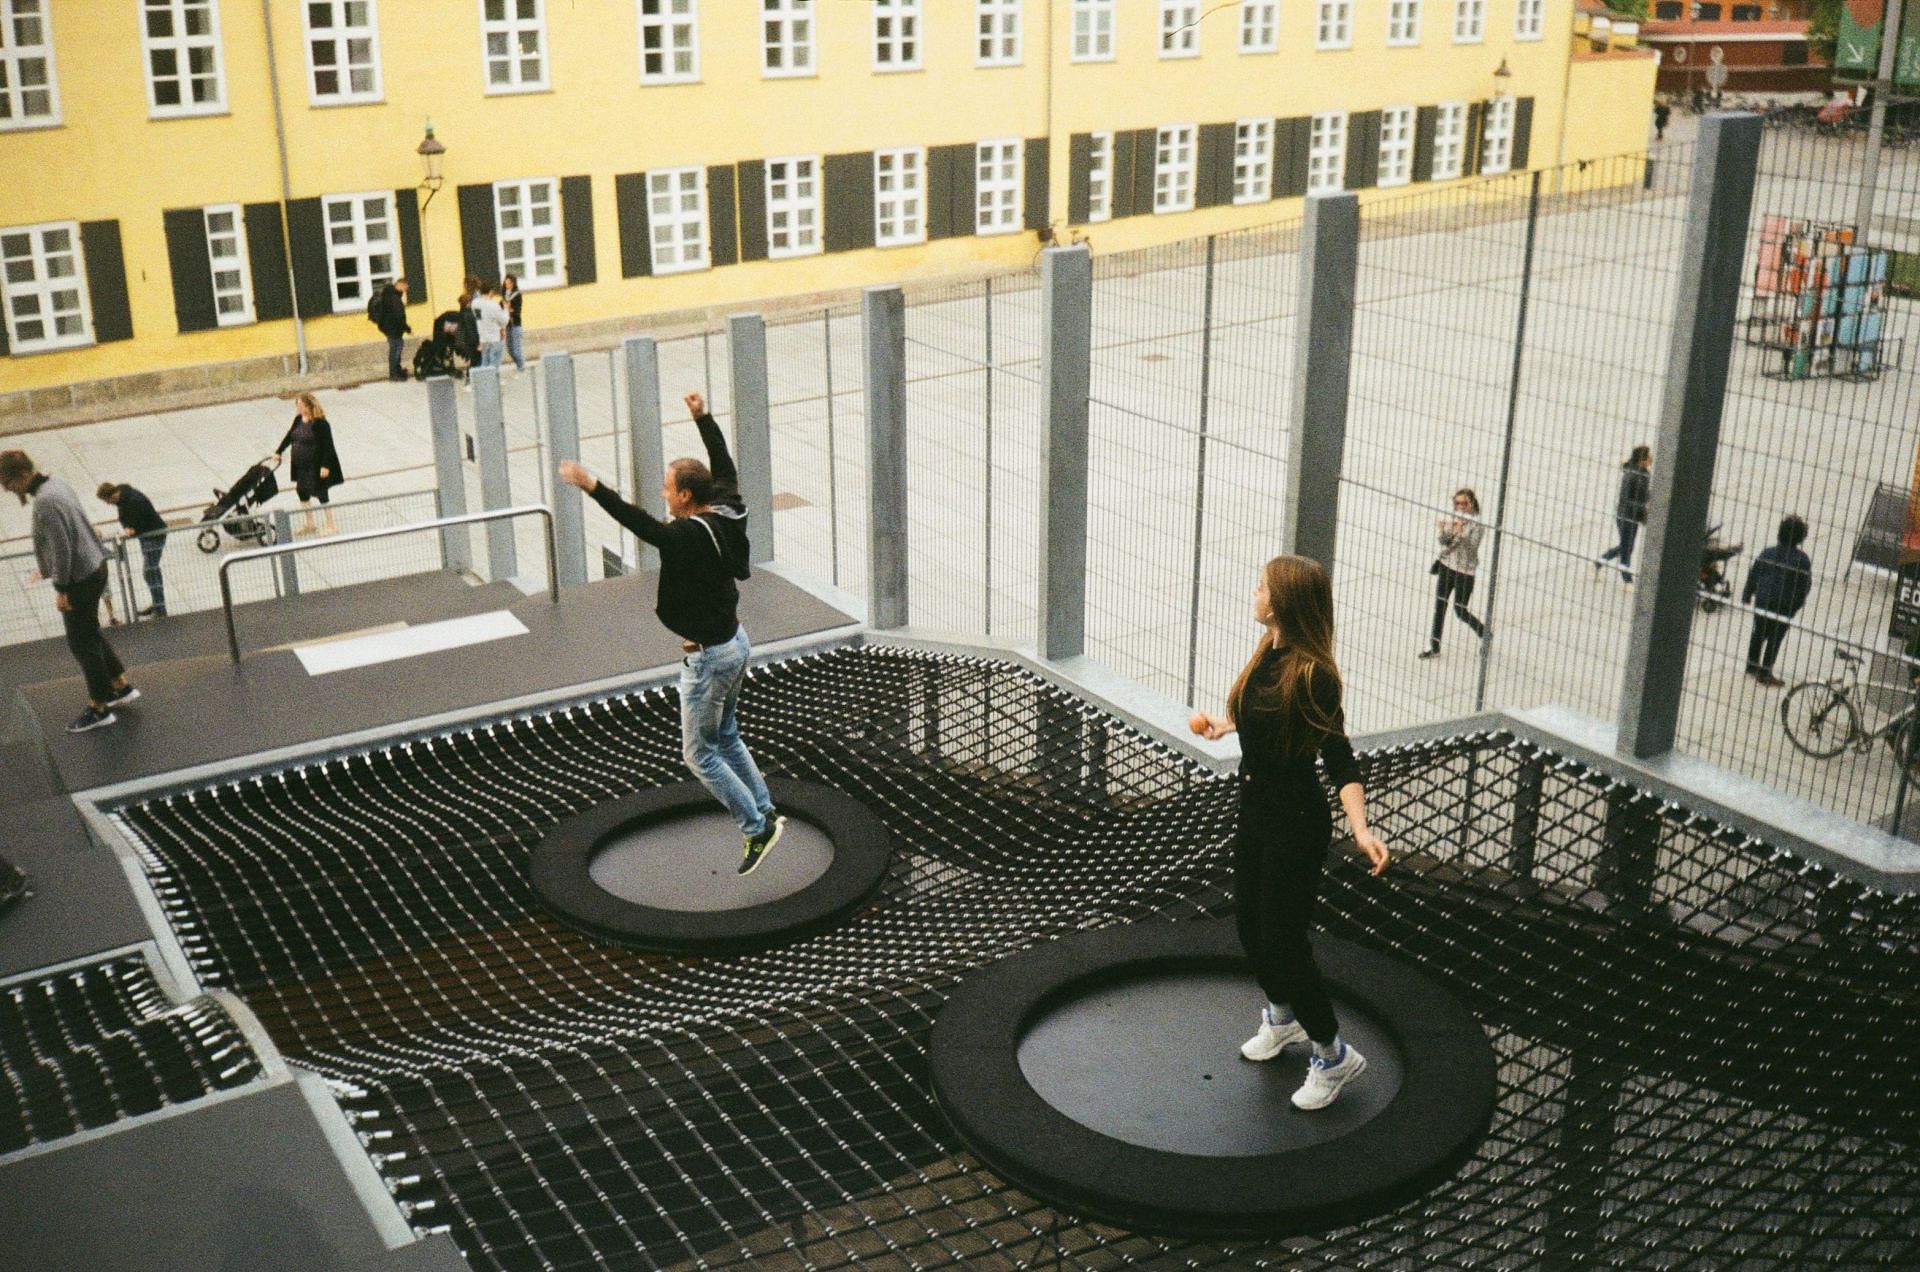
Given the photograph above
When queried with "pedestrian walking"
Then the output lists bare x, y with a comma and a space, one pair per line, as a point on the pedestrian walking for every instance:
510, 297
490, 321
1286, 706
1453, 570
1629, 510
1661, 114
1778, 584
315, 462
69, 555
389, 313
138, 518
703, 553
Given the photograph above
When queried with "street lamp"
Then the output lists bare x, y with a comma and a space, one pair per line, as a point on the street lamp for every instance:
430, 152
1502, 82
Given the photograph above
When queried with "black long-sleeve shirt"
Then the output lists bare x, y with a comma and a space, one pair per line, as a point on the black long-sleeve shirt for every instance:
1264, 760
701, 555
137, 512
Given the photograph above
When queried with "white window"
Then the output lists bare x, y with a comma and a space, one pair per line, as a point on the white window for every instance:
1529, 19
1173, 169
997, 34
996, 185
1496, 137
29, 96
1449, 140
1253, 160
227, 253
1259, 26
1469, 21
343, 51
1093, 30
1326, 153
896, 35
786, 37
1179, 28
677, 219
898, 199
514, 35
360, 249
1333, 24
181, 40
669, 41
793, 206
526, 223
1403, 21
1396, 145
1100, 177
45, 287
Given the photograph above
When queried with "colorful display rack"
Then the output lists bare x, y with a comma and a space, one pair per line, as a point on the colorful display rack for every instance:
1819, 300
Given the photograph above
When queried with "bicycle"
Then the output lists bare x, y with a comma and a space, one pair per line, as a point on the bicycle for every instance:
1822, 719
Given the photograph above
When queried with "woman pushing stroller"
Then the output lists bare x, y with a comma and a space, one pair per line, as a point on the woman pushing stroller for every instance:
315, 462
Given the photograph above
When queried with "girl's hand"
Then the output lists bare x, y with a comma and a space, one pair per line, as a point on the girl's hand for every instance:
1373, 847
1209, 727
325, 473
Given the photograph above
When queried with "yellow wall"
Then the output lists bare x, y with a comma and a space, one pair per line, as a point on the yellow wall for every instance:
1609, 104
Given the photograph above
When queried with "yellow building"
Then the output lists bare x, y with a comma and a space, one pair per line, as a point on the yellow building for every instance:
208, 191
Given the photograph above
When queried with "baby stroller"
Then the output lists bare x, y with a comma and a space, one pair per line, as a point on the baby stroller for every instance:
232, 509
445, 352
1714, 555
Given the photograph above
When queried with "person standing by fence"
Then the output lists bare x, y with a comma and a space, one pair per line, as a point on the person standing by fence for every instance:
137, 517
1777, 586
1453, 570
1629, 510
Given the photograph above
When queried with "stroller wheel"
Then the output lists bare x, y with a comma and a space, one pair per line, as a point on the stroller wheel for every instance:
1708, 604
208, 540
269, 533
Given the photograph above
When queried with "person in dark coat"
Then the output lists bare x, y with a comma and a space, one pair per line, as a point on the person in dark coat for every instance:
1661, 114
1629, 510
390, 315
1777, 586
315, 463
137, 517
510, 296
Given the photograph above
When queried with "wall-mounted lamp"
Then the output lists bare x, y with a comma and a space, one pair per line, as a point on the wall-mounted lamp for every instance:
431, 152
1502, 79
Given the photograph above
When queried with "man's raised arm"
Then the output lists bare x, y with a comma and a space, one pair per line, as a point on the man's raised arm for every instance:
726, 477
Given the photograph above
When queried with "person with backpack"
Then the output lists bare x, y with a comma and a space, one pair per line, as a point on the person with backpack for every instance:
388, 311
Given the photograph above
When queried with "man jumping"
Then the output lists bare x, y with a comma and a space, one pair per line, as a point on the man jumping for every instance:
703, 550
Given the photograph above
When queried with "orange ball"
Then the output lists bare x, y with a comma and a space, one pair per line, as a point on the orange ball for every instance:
1197, 722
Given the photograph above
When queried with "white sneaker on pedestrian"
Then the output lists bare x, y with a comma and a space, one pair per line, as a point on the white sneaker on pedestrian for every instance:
1325, 1078
1272, 1038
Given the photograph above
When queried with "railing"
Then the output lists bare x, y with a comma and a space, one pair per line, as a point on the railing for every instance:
439, 523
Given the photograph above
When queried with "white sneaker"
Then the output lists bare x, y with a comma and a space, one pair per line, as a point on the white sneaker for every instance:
1271, 1039
1324, 1079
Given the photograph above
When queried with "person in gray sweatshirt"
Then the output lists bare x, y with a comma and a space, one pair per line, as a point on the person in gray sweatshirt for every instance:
70, 557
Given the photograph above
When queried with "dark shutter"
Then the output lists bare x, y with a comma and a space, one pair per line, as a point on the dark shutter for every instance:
479, 237
406, 212
107, 281
1363, 150
636, 242
1290, 156
723, 217
752, 181
939, 191
849, 200
1039, 197
576, 227
1213, 166
963, 184
192, 271
307, 246
3, 336
1426, 121
1119, 174
1522, 131
1146, 146
267, 262
1470, 140
1079, 178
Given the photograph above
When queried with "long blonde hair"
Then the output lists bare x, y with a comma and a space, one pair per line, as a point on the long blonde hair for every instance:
314, 410
1301, 597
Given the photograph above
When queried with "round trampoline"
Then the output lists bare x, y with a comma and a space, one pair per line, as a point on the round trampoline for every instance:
1102, 1073
658, 869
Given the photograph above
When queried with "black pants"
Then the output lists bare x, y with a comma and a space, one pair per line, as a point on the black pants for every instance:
1279, 851
1460, 586
1764, 645
151, 546
394, 370
98, 663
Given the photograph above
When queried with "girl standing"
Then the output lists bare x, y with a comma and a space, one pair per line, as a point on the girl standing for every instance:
316, 465
1454, 568
510, 297
1629, 510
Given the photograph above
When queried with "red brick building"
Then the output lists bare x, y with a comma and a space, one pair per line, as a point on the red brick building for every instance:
1763, 46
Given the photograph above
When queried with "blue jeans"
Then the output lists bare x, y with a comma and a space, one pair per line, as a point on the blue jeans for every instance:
394, 370
1623, 551
490, 354
515, 349
151, 546
710, 735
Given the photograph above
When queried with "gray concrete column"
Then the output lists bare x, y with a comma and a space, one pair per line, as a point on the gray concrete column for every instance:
496, 489
289, 565
1711, 258
1322, 363
450, 476
883, 313
563, 437
1066, 355
643, 419
752, 426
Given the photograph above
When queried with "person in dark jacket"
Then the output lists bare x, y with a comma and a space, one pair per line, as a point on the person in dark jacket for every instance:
137, 517
1629, 510
1777, 586
510, 296
703, 551
1286, 707
390, 315
316, 465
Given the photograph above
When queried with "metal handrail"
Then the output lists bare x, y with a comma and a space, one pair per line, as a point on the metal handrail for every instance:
384, 532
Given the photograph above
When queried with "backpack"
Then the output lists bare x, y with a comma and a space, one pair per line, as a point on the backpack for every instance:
374, 307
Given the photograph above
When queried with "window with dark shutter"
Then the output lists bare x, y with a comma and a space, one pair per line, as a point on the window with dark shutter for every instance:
307, 247
479, 238
190, 268
576, 229
849, 190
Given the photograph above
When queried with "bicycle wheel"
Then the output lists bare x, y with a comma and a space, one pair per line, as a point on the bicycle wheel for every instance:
1904, 741
1818, 719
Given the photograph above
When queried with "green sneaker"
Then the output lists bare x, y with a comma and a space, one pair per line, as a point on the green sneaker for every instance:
759, 845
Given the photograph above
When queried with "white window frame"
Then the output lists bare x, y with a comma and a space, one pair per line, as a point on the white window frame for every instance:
675, 33
527, 270
1174, 152
1403, 23
182, 47
15, 57
1179, 29
1449, 141
674, 186
1253, 160
342, 35
1469, 21
1529, 19
900, 213
1333, 24
1095, 31
794, 194
1327, 153
998, 169
361, 249
1259, 26
1396, 146
1496, 137
1100, 177
235, 262
897, 27
999, 33
787, 28
43, 287
513, 27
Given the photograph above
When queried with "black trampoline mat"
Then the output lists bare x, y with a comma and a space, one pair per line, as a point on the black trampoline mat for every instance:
1155, 1061
690, 863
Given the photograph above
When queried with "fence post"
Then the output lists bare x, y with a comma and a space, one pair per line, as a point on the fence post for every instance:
649, 456
1322, 363
496, 488
1066, 357
1200, 476
752, 426
563, 431
456, 542
1706, 307
289, 567
883, 313
833, 457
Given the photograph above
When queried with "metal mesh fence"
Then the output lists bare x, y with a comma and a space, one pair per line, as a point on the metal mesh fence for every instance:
816, 388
